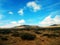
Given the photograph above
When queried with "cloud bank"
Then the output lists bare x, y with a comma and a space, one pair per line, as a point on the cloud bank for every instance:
50, 21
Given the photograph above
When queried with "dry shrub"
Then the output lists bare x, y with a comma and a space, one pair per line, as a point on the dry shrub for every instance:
5, 31
37, 32
51, 35
25, 36
3, 38
28, 36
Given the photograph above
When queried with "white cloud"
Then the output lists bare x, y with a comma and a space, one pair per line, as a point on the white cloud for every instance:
49, 21
21, 11
7, 26
13, 24
10, 12
57, 19
34, 6
21, 21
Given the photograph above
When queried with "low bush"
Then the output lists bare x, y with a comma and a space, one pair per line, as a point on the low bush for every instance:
5, 31
51, 35
16, 34
28, 36
4, 38
24, 36
37, 32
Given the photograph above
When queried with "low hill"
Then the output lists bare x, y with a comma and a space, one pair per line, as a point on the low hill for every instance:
55, 25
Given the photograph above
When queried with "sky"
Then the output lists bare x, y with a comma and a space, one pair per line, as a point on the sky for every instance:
29, 12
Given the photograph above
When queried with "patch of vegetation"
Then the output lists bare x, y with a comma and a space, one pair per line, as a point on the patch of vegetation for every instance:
16, 34
3, 38
28, 36
5, 31
37, 32
51, 35
24, 36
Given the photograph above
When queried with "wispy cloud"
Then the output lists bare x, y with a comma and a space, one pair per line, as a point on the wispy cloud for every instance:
34, 6
21, 11
10, 12
21, 21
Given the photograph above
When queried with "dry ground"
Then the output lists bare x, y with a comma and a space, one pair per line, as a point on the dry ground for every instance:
43, 37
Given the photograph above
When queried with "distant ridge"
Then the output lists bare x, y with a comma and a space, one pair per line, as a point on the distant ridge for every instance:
27, 27
55, 25
33, 26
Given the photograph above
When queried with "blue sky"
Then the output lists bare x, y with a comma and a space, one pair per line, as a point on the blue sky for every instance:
30, 12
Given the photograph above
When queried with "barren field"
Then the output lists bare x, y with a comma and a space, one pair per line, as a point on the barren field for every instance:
44, 36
